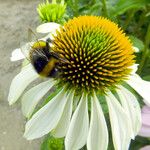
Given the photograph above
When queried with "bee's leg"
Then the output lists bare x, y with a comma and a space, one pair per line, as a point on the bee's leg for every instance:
55, 55
55, 71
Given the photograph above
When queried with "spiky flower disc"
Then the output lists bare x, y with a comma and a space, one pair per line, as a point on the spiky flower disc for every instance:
52, 12
98, 53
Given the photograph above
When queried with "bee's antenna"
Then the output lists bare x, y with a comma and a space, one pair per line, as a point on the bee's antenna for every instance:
49, 40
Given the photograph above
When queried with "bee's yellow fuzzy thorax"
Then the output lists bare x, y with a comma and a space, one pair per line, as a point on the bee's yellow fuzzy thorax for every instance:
98, 52
39, 44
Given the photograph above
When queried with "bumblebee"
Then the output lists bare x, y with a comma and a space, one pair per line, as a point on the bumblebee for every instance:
45, 62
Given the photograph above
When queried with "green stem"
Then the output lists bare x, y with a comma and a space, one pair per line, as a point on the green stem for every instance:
130, 16
105, 8
146, 51
140, 22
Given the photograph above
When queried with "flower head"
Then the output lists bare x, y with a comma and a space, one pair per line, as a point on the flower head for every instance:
98, 53
52, 12
99, 70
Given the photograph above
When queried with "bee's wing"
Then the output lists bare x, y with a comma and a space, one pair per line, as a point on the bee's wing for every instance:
25, 49
27, 46
32, 36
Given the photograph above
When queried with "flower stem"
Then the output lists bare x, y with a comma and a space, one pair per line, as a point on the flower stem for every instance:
146, 51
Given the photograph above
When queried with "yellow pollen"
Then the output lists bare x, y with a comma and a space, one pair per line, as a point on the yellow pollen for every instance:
82, 62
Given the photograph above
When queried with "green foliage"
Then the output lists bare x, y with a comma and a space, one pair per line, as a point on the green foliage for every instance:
139, 142
147, 77
137, 42
84, 7
121, 6
51, 143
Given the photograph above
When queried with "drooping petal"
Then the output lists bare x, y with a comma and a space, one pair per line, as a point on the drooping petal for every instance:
62, 127
31, 98
48, 27
98, 133
17, 55
78, 130
119, 123
20, 82
140, 86
47, 118
134, 68
132, 107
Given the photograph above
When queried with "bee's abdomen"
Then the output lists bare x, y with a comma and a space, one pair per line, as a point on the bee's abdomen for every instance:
39, 64
46, 68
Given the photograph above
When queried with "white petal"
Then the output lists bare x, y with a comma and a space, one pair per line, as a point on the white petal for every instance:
20, 82
98, 133
119, 123
140, 86
62, 127
134, 68
48, 36
136, 49
78, 130
132, 107
48, 27
25, 49
31, 98
76, 101
17, 55
47, 118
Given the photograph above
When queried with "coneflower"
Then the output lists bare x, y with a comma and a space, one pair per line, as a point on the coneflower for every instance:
100, 71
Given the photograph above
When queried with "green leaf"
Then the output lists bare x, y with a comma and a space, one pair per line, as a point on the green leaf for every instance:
94, 9
51, 143
137, 42
123, 5
147, 77
139, 142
